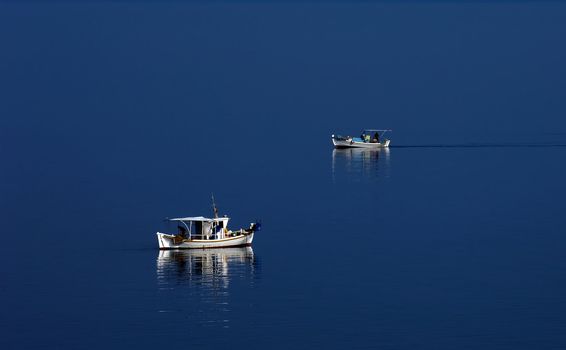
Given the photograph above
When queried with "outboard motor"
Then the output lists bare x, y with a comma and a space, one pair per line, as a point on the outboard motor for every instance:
255, 226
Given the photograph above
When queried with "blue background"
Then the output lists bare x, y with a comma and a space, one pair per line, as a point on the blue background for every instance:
114, 115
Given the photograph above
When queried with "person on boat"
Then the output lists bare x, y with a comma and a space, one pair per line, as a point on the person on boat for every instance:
376, 137
182, 232
367, 138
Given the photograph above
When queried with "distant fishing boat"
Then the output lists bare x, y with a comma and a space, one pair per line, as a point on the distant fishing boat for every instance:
202, 232
370, 138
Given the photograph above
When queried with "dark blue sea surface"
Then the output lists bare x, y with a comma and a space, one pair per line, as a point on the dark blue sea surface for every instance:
116, 115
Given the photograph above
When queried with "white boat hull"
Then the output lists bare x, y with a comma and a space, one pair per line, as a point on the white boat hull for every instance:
356, 144
166, 241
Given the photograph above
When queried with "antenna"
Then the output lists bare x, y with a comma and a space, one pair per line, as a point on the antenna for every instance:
214, 209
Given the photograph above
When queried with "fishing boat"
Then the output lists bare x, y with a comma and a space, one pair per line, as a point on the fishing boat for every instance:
202, 232
370, 138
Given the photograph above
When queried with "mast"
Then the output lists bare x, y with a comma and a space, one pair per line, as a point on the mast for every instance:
214, 209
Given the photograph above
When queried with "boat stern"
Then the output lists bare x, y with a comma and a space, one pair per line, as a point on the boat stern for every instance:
250, 238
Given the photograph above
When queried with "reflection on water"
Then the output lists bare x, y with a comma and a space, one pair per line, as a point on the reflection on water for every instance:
198, 282
360, 163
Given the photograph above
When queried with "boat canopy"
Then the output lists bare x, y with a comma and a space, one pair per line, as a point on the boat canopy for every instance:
199, 218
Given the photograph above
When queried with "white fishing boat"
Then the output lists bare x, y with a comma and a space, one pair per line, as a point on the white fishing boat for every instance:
370, 138
202, 232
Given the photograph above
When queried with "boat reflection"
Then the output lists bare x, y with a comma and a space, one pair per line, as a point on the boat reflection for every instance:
360, 163
205, 265
198, 282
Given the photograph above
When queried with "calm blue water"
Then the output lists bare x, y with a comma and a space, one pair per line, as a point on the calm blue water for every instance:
114, 116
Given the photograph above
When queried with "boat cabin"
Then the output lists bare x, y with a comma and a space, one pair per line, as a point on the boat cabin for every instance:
199, 227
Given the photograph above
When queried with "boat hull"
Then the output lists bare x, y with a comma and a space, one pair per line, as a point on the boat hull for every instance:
356, 144
166, 241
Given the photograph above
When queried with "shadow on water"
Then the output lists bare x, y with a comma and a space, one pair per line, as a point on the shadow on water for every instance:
198, 282
358, 162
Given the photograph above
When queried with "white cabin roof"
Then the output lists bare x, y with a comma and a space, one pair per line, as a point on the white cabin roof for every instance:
199, 218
